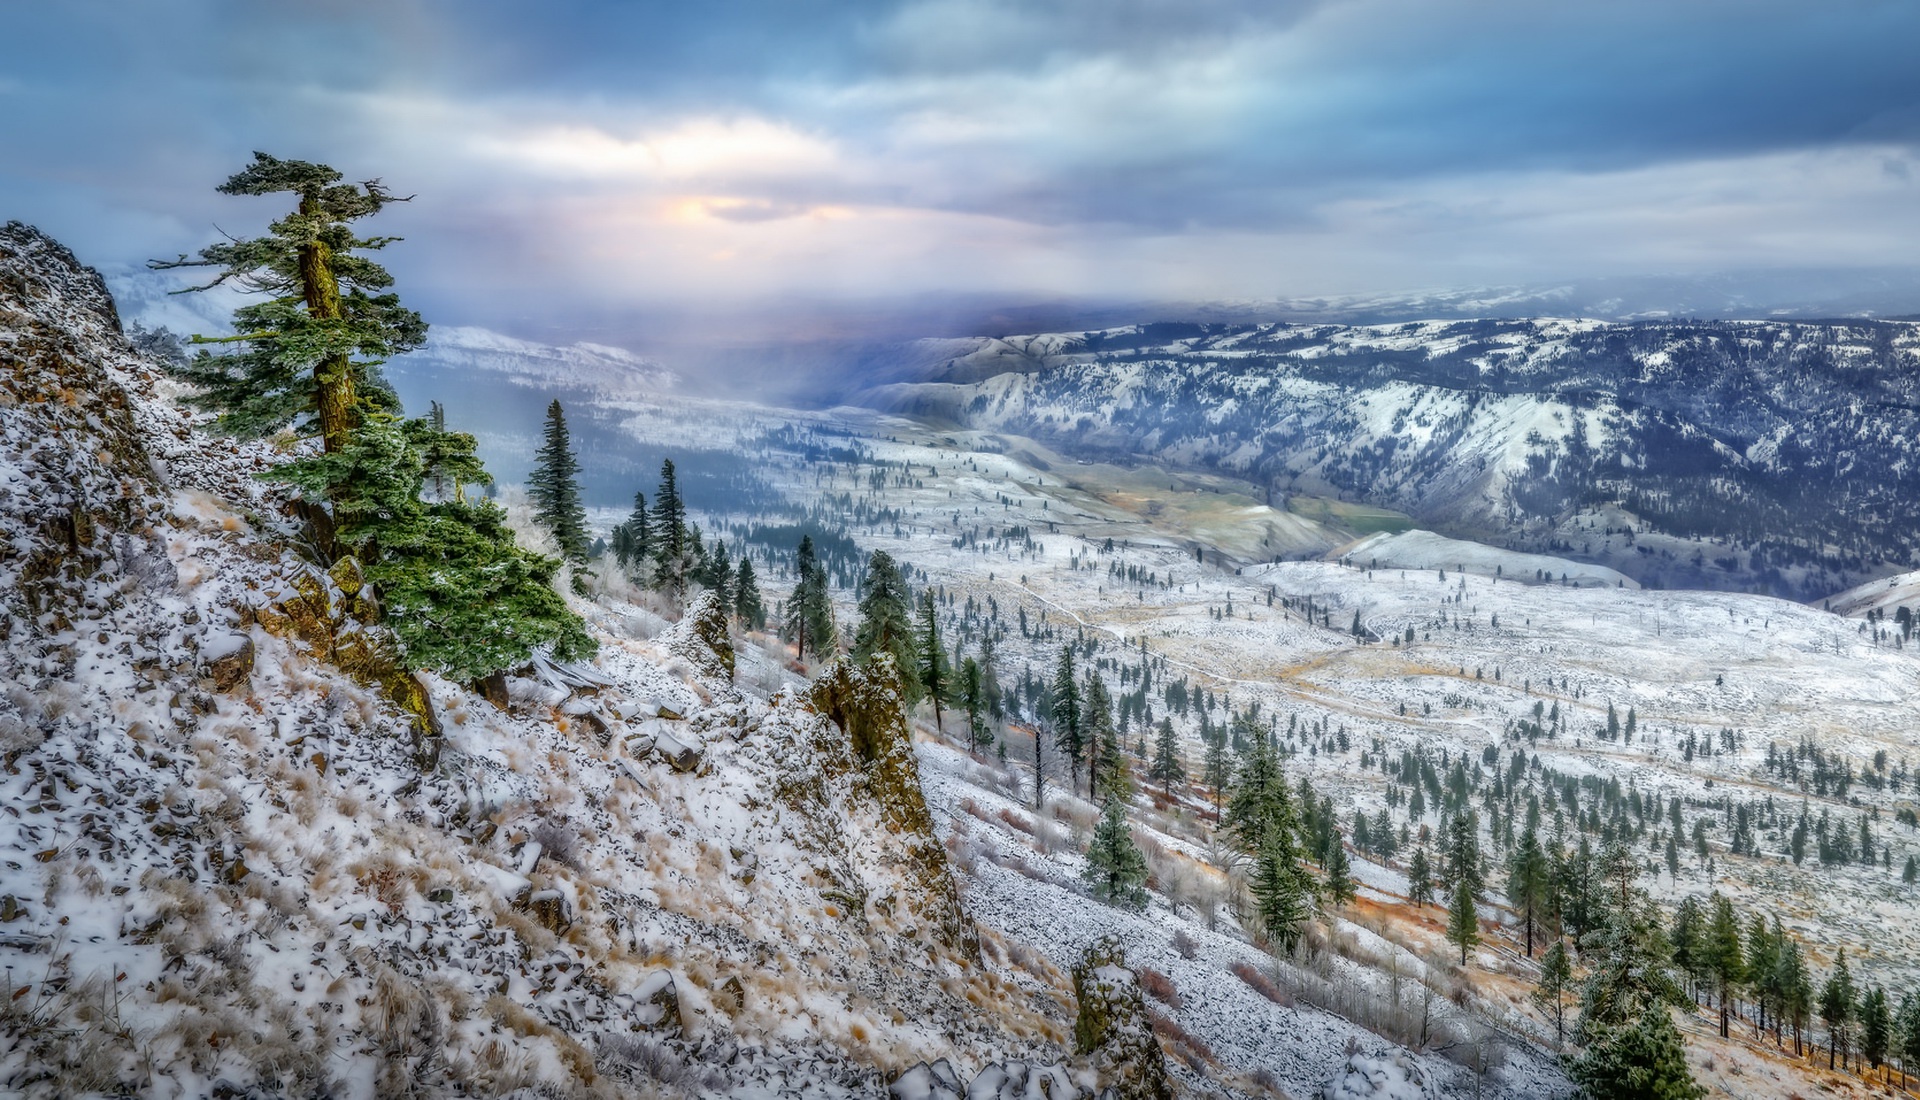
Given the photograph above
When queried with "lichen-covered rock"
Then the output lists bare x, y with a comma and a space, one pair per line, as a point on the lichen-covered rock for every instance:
1113, 1028
228, 659
704, 637
334, 614
867, 705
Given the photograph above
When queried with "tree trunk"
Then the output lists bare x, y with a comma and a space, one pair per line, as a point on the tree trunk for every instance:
332, 376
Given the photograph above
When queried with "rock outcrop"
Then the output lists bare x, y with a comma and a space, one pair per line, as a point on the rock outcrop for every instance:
867, 705
1114, 1030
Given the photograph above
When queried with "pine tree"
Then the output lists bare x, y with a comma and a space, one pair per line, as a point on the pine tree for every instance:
886, 624
1106, 763
935, 674
1725, 960
1908, 1035
669, 534
1260, 799
1876, 1026
716, 573
1527, 882
1419, 878
809, 610
1116, 871
460, 597
1556, 977
1338, 871
973, 699
1463, 924
631, 539
1069, 725
1836, 1006
1166, 769
1217, 768
1283, 900
747, 606
1796, 991
1644, 1060
555, 488
295, 362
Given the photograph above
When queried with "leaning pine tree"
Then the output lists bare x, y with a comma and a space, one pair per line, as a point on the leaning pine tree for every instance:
460, 597
554, 486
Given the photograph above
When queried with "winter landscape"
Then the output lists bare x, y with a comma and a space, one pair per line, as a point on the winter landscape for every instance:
960, 551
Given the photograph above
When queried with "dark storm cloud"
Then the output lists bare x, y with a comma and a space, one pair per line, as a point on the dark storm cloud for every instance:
600, 153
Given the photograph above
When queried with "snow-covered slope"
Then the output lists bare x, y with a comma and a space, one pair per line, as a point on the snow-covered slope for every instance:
1511, 431
1426, 550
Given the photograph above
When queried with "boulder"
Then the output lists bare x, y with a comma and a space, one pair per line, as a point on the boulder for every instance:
1393, 1076
935, 1081
1113, 1028
656, 1004
228, 659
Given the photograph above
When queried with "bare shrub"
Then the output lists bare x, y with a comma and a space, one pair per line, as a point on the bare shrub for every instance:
1183, 944
1160, 987
1262, 984
1187, 1047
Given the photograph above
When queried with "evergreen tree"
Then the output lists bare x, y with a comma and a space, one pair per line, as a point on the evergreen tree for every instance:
1796, 991
1836, 1006
1216, 768
1725, 960
1419, 878
1282, 896
1107, 764
1644, 1060
1069, 724
1260, 799
1116, 870
294, 360
747, 606
886, 624
809, 610
669, 534
716, 573
1527, 882
1556, 977
1876, 1026
463, 600
1687, 942
973, 699
1763, 971
460, 597
935, 674
1338, 871
1166, 769
1463, 924
554, 486
1907, 1035
631, 539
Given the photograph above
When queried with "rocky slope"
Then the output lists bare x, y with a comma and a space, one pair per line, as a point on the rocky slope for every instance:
239, 856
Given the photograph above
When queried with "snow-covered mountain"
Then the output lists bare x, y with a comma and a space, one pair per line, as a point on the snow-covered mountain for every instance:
1737, 439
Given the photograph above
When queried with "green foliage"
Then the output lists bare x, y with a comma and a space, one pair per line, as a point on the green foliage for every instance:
1260, 799
1166, 768
554, 486
1282, 892
930, 665
461, 597
809, 610
1527, 882
1338, 870
1116, 871
1069, 716
311, 353
632, 540
973, 699
1556, 977
1420, 878
669, 534
1463, 924
1644, 1060
747, 605
885, 624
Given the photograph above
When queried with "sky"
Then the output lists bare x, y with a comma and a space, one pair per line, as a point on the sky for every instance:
722, 167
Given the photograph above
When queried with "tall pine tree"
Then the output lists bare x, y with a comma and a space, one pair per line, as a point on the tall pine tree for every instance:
554, 487
669, 534
930, 663
886, 624
1069, 716
1166, 768
747, 605
1116, 870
